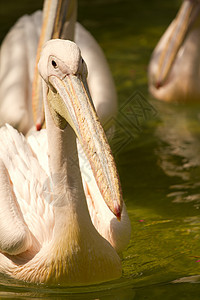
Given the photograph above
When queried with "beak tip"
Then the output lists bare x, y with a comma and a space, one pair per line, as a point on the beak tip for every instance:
38, 126
118, 212
158, 85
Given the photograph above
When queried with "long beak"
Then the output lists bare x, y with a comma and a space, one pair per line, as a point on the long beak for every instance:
184, 20
56, 14
71, 100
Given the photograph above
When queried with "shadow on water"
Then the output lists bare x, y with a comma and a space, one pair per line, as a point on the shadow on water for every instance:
159, 162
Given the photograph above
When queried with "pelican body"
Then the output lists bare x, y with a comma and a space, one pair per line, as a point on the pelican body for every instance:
46, 230
19, 55
174, 69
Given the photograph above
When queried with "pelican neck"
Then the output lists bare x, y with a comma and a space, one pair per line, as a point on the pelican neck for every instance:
65, 172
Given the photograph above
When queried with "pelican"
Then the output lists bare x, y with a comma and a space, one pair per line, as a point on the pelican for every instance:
174, 69
46, 230
20, 51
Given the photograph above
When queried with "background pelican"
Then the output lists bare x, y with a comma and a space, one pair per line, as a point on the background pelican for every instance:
174, 69
47, 235
19, 50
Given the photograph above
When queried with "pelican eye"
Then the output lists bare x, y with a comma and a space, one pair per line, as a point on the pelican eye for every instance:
54, 64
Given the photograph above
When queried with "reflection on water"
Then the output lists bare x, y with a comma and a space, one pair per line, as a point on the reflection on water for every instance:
159, 166
179, 151
121, 290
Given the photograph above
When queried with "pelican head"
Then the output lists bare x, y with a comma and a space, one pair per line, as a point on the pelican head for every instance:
69, 102
175, 53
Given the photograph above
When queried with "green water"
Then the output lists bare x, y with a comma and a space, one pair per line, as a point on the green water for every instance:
157, 149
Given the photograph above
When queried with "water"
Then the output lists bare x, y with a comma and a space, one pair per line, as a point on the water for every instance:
157, 153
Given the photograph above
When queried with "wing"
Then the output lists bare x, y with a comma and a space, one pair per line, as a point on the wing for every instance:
15, 236
27, 181
17, 62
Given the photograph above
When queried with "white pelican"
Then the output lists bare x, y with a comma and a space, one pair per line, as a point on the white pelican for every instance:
17, 62
46, 232
174, 70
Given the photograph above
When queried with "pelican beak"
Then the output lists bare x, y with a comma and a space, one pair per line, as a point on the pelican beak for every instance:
57, 15
182, 23
69, 97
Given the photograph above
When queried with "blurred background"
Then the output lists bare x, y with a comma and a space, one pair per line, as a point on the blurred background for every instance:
157, 150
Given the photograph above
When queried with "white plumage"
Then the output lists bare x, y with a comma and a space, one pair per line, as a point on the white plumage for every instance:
28, 172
